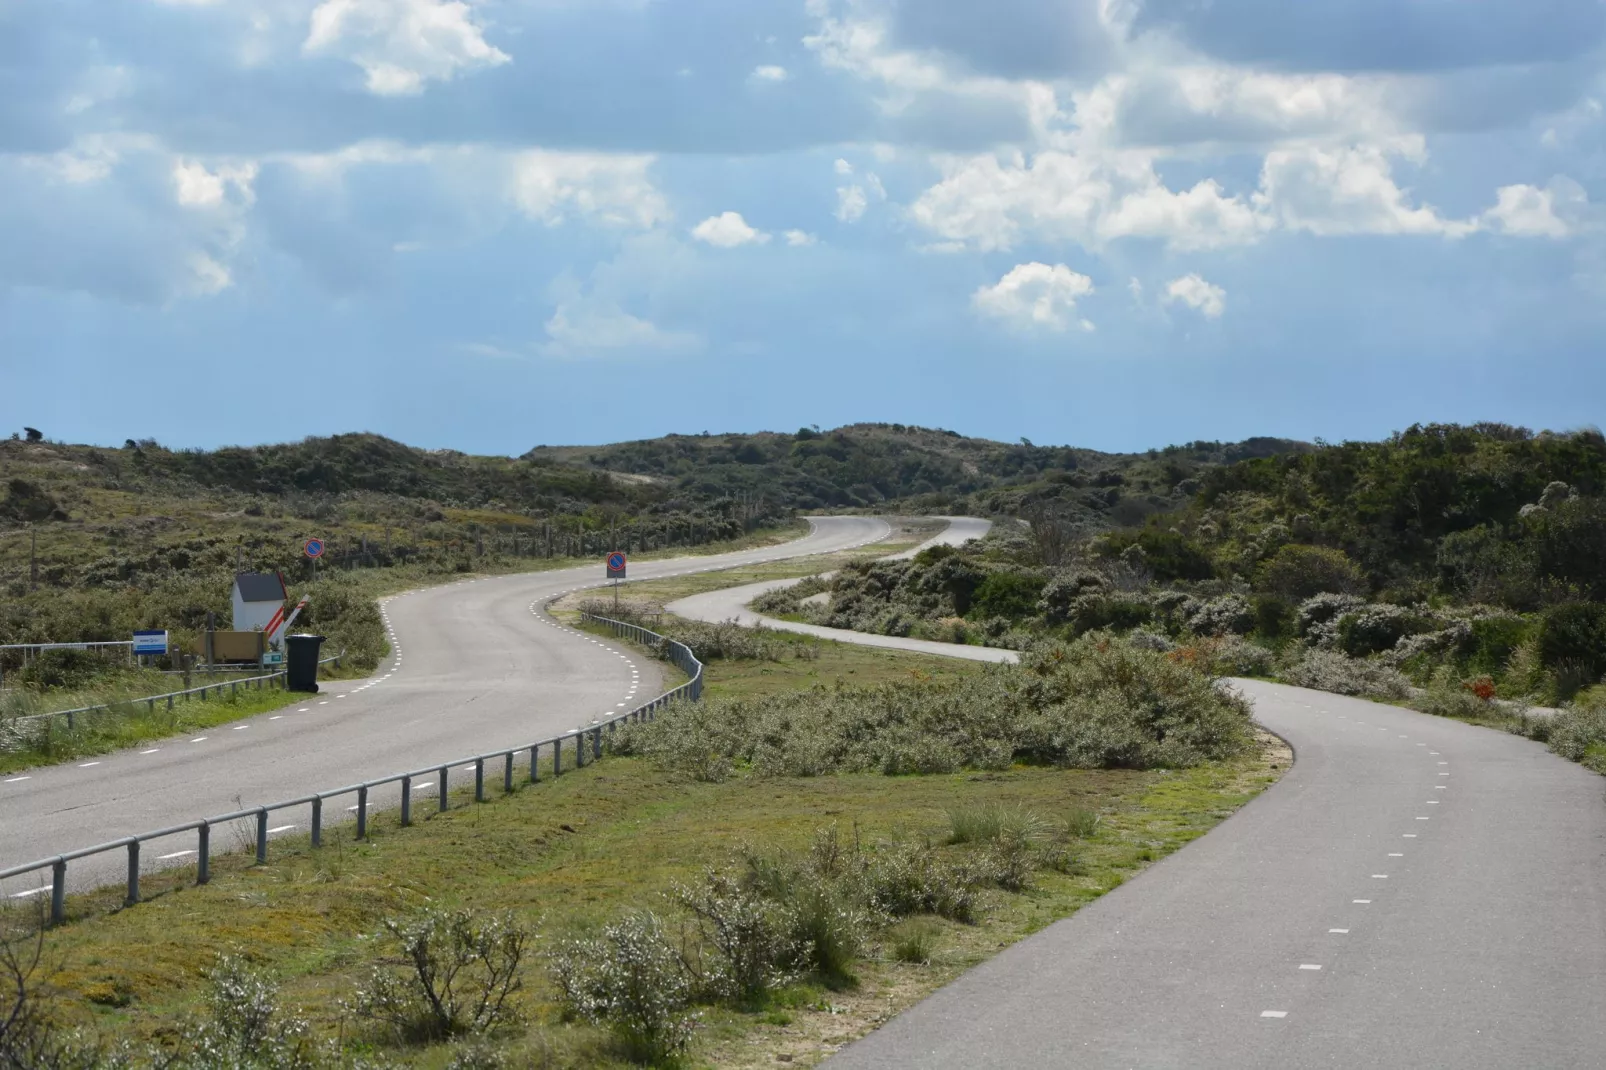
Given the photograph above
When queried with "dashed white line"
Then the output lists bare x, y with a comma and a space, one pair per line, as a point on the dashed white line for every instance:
86, 765
18, 779
1360, 900
175, 854
153, 750
30, 891
1309, 966
1340, 931
280, 828
199, 739
1274, 1014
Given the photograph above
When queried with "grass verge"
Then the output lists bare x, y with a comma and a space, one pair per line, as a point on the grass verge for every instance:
576, 851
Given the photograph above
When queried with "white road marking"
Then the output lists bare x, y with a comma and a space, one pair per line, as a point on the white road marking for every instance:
1342, 931
1360, 900
86, 765
1444, 763
199, 739
175, 854
1409, 836
1423, 819
241, 727
280, 828
1380, 876
153, 750
15, 779
1309, 966
1396, 854
1441, 787
1433, 802
304, 709
30, 891
275, 717
1274, 1014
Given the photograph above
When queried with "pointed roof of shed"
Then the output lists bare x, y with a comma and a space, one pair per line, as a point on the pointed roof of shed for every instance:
261, 586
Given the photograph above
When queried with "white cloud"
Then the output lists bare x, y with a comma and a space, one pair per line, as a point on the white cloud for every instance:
843, 167
1086, 198
196, 187
208, 277
850, 203
769, 72
612, 189
1348, 190
1034, 295
1207, 298
799, 237
1526, 211
591, 327
727, 230
402, 44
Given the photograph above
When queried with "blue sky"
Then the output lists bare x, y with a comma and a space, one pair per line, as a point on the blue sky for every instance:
488, 224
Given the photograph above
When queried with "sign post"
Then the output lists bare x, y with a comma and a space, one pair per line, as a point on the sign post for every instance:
314, 550
616, 572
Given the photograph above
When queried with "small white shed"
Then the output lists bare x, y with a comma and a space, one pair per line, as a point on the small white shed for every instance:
258, 598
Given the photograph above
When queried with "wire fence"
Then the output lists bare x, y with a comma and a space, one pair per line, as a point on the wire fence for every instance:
581, 740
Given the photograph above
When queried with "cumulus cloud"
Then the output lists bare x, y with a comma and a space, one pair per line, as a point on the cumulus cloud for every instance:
799, 237
769, 72
727, 230
1034, 295
613, 189
1086, 198
402, 44
1204, 297
1527, 212
850, 203
1349, 190
196, 187
588, 327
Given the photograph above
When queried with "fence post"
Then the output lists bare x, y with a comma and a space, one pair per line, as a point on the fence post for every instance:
317, 821
580, 749
507, 773
70, 721
479, 779
535, 764
58, 891
262, 835
133, 874
407, 801
596, 743
203, 851
557, 756
362, 812
445, 772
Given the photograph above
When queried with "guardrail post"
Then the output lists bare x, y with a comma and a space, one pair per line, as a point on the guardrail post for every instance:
596, 743
203, 851
133, 874
579, 749
445, 773
479, 779
407, 801
262, 835
362, 812
58, 891
169, 702
507, 773
69, 720
317, 821
535, 764
150, 705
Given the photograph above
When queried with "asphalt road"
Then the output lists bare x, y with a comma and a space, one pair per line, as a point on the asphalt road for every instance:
476, 666
730, 604
1415, 893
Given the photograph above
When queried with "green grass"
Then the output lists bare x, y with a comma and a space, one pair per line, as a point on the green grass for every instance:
578, 850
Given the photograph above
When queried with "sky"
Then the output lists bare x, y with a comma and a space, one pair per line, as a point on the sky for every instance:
491, 224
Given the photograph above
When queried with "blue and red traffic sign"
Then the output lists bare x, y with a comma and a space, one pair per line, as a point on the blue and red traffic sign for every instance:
616, 566
314, 548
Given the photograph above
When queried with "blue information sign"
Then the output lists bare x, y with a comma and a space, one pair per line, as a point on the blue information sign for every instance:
150, 642
616, 566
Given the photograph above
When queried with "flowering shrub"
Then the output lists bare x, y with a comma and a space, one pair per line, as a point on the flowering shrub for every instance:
1329, 670
1316, 620
1228, 615
632, 980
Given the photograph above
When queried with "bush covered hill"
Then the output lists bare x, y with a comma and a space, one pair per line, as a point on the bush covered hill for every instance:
922, 469
1455, 556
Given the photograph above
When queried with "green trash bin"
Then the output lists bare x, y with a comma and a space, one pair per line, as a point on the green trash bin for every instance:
301, 662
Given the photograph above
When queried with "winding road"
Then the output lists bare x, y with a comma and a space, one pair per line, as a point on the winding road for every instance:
1415, 893
475, 665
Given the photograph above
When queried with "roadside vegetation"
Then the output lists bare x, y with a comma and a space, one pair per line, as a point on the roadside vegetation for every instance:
1461, 570
642, 912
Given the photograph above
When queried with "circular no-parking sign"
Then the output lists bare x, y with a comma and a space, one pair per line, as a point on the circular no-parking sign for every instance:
314, 548
616, 562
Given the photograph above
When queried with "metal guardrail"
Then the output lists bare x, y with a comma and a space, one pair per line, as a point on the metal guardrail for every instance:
678, 653
151, 700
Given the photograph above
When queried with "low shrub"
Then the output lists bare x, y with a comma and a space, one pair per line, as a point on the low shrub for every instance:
1096, 703
751, 937
1579, 734
986, 822
1329, 670
914, 940
453, 974
631, 980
